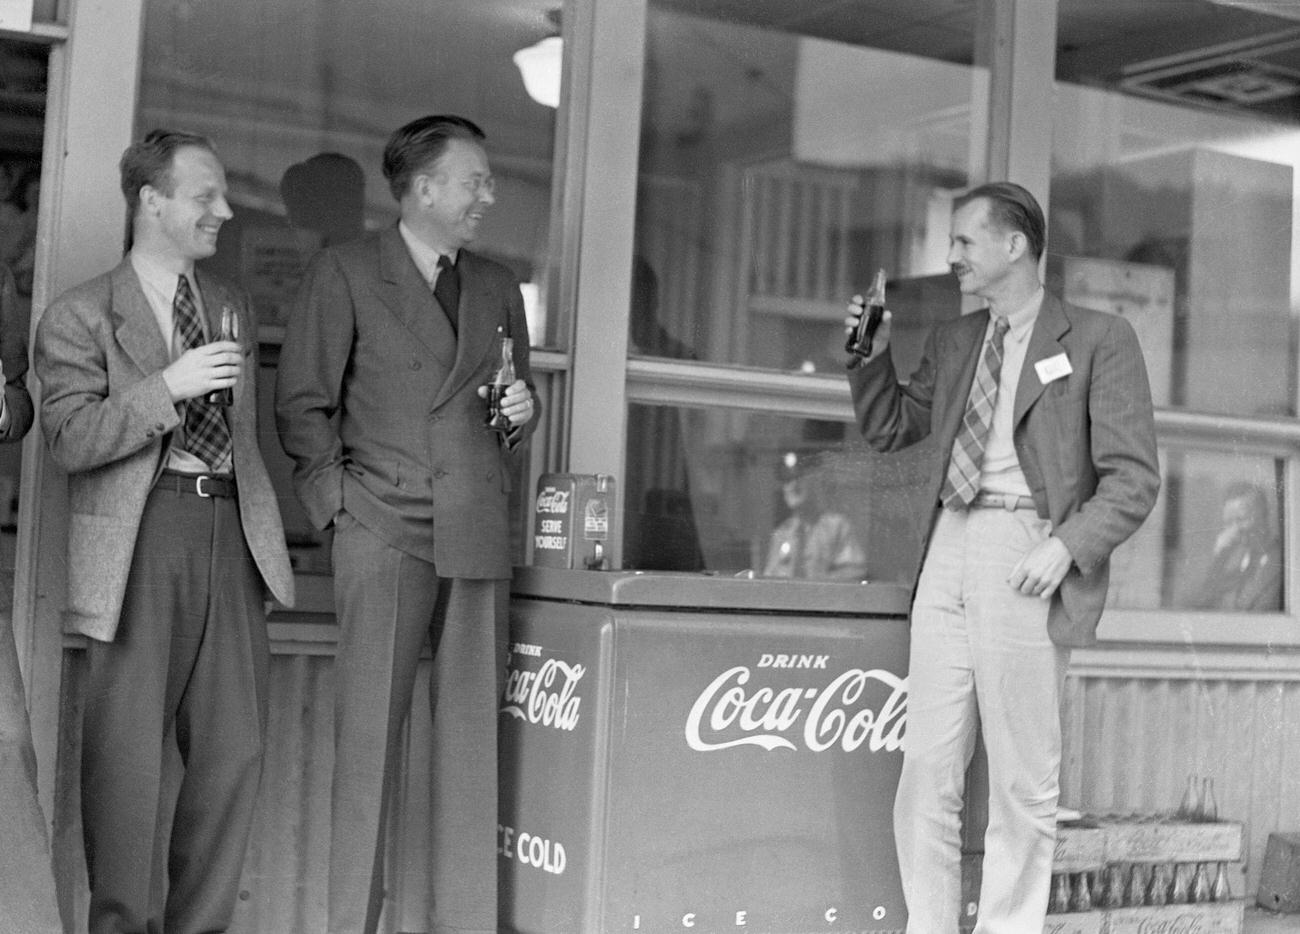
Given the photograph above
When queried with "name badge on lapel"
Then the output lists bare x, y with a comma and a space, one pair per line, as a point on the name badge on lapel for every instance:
1053, 368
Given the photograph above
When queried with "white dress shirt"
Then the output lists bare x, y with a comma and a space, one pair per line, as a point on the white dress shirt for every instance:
1000, 471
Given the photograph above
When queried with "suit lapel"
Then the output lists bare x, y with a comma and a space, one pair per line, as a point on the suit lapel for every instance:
407, 295
135, 326
965, 344
477, 329
1044, 343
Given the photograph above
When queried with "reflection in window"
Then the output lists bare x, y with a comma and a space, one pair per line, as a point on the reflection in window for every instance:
1213, 541
1174, 191
784, 497
780, 169
300, 102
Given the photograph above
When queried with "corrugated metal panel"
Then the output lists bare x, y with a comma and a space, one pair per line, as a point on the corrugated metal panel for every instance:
1130, 745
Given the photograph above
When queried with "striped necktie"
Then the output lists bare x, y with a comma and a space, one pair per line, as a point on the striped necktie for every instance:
206, 434
963, 479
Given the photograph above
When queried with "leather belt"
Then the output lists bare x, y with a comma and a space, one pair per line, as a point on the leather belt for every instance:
197, 484
1008, 501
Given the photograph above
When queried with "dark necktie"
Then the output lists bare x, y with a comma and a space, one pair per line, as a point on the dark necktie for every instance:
206, 434
963, 479
447, 289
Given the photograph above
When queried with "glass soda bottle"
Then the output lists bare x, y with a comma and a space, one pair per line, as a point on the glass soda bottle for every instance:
505, 375
1220, 890
229, 331
1190, 807
1059, 899
1209, 805
859, 342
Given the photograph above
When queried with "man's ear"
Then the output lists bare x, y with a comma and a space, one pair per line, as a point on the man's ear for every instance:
149, 196
1017, 245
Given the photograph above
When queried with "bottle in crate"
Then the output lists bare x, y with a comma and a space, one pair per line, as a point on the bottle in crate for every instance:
1135, 894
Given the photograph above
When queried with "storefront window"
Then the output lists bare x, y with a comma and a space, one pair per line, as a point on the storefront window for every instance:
300, 102
767, 495
1174, 197
786, 154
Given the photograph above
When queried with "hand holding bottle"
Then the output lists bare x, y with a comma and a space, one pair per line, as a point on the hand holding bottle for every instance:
510, 401
229, 332
868, 324
515, 405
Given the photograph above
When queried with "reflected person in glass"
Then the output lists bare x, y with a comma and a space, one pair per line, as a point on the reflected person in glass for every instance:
1245, 567
813, 542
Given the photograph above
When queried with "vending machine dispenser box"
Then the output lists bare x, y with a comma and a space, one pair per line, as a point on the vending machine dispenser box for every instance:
573, 521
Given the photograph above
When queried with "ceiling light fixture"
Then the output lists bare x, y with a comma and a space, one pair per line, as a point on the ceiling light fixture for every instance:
541, 66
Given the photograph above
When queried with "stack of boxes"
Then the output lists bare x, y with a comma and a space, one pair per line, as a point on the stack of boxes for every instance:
1126, 875
1135, 875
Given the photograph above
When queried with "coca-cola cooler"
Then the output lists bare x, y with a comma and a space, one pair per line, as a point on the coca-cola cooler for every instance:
685, 752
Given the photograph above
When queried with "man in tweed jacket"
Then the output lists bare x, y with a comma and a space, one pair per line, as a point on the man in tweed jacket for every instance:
175, 541
1016, 564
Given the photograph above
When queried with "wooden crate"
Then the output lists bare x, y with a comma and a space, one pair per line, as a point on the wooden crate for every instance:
1173, 841
1215, 918
1076, 922
1080, 847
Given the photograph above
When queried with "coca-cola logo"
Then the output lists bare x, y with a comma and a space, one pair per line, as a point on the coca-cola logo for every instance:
844, 713
1179, 924
553, 500
547, 697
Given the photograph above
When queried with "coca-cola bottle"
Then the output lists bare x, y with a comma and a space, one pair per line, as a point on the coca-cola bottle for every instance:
1081, 893
859, 342
229, 331
1190, 807
1158, 885
1112, 890
1220, 890
1180, 891
1200, 890
505, 375
1136, 892
1209, 805
1058, 901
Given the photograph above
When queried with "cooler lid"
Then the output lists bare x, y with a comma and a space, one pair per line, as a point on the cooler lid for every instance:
684, 590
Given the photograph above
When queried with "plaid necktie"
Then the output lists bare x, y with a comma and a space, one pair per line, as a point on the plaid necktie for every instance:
206, 434
447, 289
963, 479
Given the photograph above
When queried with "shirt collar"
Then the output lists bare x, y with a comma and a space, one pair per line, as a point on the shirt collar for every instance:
1021, 321
156, 275
425, 256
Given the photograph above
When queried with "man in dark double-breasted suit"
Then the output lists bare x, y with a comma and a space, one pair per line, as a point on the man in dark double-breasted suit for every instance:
380, 402
1045, 462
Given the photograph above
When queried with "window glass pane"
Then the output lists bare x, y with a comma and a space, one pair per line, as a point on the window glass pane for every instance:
23, 89
1213, 541
787, 152
1174, 187
721, 491
300, 100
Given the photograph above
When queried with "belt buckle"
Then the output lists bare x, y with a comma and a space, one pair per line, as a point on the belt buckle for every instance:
198, 485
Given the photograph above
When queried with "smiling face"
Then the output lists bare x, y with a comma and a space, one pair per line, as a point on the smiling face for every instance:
981, 253
183, 224
454, 194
